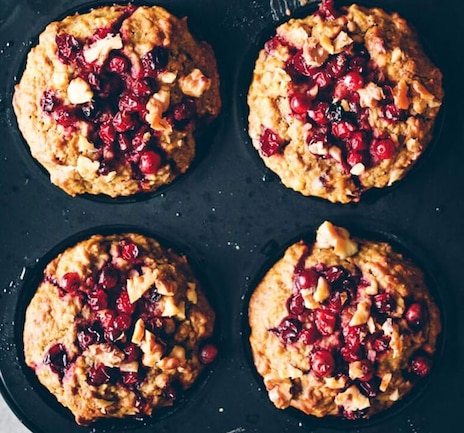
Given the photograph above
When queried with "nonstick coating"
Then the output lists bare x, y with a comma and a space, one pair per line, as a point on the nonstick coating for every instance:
232, 217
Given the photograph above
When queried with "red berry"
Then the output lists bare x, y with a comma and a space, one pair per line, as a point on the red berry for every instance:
68, 48
132, 352
150, 162
99, 375
107, 133
352, 353
123, 122
319, 113
65, 115
421, 365
295, 305
384, 303
288, 330
325, 321
342, 129
357, 141
354, 158
98, 300
208, 353
347, 85
305, 279
108, 277
367, 369
299, 64
130, 103
300, 103
336, 65
70, 282
270, 142
415, 315
185, 110
129, 251
143, 86
49, 101
57, 358
383, 149
118, 63
322, 363
310, 334
122, 322
123, 304
321, 78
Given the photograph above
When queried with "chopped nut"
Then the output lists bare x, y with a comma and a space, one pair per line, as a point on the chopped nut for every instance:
169, 308
167, 77
86, 167
373, 287
318, 148
313, 53
154, 114
341, 41
358, 169
421, 90
370, 94
178, 352
333, 383
362, 313
386, 378
140, 284
194, 84
139, 332
308, 299
352, 399
355, 370
101, 48
192, 293
336, 153
153, 351
165, 282
280, 394
129, 366
396, 55
326, 43
337, 237
79, 91
106, 354
60, 79
322, 291
400, 95
395, 395
371, 325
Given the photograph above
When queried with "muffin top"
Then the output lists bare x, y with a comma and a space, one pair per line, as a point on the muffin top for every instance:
109, 100
117, 327
343, 101
342, 327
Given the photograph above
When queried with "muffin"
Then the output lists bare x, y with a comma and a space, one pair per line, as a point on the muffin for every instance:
342, 327
343, 101
109, 100
117, 327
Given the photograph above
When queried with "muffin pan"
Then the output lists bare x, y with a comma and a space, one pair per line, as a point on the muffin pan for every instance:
232, 217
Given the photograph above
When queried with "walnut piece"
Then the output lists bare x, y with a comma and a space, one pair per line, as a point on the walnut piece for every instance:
328, 236
79, 91
194, 84
100, 49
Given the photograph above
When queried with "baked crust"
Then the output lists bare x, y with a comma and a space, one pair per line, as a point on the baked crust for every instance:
400, 97
368, 336
116, 326
72, 150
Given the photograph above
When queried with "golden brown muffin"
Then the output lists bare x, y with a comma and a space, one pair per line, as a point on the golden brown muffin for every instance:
117, 326
109, 100
343, 101
342, 327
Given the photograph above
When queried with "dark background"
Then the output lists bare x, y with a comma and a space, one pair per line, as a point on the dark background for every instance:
229, 215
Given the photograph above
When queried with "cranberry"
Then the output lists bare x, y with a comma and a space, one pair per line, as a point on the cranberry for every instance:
90, 335
391, 112
130, 103
334, 303
155, 60
383, 149
351, 353
357, 141
124, 143
140, 139
415, 315
295, 305
91, 111
305, 279
300, 103
65, 115
298, 63
143, 86
129, 251
322, 363
99, 375
122, 322
347, 85
130, 379
325, 321
384, 303
150, 162
381, 343
123, 122
270, 142
334, 274
336, 65
358, 64
98, 300
49, 101
370, 388
367, 369
123, 305
354, 335
321, 78
57, 358
70, 282
107, 133
288, 330
132, 352
110, 85
327, 10
118, 63
185, 110
106, 318
354, 158
108, 277
319, 113
343, 129
421, 365
68, 48
310, 334
208, 353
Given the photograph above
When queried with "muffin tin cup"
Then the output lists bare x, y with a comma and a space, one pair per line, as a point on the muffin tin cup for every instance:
368, 230
30, 400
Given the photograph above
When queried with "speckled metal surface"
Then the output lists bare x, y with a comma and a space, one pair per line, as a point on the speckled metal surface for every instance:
230, 216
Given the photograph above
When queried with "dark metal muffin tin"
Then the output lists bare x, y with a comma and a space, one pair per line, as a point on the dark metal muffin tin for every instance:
232, 217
